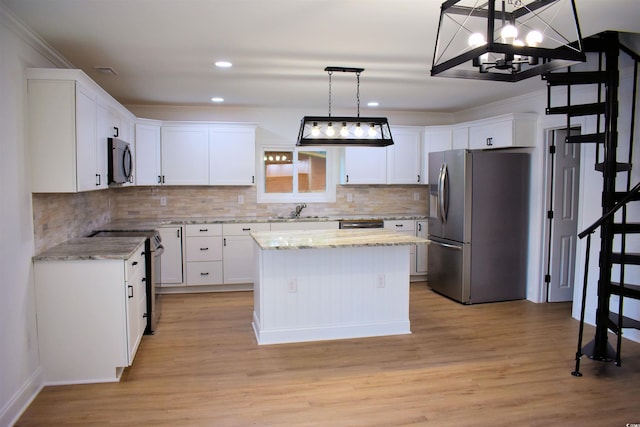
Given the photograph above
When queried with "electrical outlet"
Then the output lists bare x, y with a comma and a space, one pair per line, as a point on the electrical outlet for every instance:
349, 197
240, 199
380, 280
292, 286
163, 201
416, 196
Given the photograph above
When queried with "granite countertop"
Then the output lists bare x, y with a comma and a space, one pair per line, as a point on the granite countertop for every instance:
316, 239
92, 248
143, 224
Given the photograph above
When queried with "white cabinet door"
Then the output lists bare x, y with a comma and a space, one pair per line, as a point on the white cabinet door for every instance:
237, 251
406, 226
422, 231
136, 298
460, 137
147, 154
89, 176
185, 155
364, 165
171, 259
510, 130
436, 138
403, 157
232, 151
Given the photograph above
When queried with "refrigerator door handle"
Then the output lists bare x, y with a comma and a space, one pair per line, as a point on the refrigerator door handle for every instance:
446, 245
439, 198
443, 189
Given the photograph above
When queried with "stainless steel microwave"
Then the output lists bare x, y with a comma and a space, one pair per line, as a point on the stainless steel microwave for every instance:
120, 162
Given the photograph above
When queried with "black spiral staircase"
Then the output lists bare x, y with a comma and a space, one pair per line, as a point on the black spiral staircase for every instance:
618, 268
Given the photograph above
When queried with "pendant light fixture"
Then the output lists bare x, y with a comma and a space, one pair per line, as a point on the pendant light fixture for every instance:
506, 40
350, 131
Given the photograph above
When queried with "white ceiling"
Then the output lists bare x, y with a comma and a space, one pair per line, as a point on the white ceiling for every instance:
164, 50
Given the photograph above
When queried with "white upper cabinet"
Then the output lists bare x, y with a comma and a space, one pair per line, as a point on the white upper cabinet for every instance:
364, 165
436, 138
147, 154
509, 130
232, 154
185, 155
403, 157
460, 137
68, 117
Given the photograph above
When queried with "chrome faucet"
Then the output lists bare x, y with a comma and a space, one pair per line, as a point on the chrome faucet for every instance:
299, 208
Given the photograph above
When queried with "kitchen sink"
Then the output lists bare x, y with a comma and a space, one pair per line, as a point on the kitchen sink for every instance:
302, 217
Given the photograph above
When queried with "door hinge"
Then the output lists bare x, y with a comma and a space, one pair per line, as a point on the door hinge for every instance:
549, 214
547, 278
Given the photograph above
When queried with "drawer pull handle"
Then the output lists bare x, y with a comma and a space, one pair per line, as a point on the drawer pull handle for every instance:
130, 291
399, 225
246, 229
204, 229
205, 273
204, 249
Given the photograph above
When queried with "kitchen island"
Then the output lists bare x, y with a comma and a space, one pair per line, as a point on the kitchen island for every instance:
331, 284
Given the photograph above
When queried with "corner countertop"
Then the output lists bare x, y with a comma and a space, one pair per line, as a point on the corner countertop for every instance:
317, 239
92, 248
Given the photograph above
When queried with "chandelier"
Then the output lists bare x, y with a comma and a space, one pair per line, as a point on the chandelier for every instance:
355, 131
506, 40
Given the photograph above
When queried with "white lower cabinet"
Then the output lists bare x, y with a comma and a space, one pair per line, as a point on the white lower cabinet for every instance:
406, 226
204, 254
171, 271
91, 317
422, 230
237, 251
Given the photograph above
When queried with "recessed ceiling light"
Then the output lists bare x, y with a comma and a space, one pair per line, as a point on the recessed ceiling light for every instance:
217, 99
373, 104
223, 64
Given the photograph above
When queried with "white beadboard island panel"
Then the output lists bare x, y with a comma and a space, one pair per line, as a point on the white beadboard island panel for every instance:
331, 293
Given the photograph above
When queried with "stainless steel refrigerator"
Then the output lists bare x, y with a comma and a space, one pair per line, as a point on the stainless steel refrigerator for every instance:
478, 224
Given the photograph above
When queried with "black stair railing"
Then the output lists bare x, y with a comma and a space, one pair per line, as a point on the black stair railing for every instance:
631, 195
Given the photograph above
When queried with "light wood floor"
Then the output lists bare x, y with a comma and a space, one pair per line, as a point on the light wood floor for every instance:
500, 364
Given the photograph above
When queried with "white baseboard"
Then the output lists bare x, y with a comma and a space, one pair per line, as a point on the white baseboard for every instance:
22, 399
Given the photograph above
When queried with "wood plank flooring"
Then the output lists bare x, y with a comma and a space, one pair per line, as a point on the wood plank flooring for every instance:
499, 364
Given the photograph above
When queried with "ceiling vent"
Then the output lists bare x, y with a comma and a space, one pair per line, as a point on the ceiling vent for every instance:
105, 70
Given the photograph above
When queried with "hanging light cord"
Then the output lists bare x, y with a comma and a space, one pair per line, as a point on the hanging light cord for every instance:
358, 91
330, 73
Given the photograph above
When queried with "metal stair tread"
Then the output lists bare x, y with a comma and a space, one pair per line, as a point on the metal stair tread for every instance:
627, 322
585, 138
630, 227
575, 78
579, 109
628, 258
628, 291
620, 167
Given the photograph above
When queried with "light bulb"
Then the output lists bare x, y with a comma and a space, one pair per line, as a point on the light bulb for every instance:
358, 132
508, 33
534, 38
277, 158
284, 157
315, 131
271, 158
330, 130
518, 43
344, 131
372, 131
265, 158
476, 39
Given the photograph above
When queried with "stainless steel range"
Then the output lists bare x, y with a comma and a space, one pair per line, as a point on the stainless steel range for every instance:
153, 251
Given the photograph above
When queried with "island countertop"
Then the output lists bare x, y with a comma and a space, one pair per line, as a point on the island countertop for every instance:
316, 239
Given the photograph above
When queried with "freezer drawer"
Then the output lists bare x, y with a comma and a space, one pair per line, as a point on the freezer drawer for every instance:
447, 269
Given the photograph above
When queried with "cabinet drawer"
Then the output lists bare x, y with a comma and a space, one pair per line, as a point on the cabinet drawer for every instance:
242, 229
204, 273
208, 248
400, 225
204, 229
135, 262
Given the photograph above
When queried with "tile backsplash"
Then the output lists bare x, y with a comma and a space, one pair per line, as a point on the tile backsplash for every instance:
206, 202
59, 217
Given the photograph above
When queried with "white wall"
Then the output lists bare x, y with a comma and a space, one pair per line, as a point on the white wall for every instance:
20, 376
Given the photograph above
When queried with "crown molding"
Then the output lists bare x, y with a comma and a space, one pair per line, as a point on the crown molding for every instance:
13, 23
